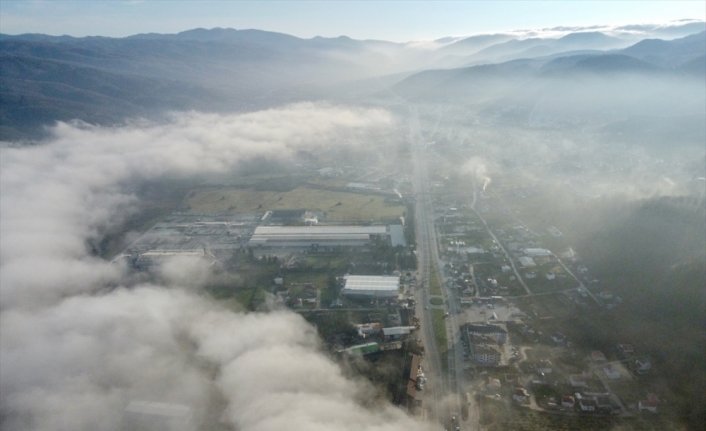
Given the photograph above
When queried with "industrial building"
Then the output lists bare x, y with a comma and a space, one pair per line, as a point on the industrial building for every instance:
397, 332
371, 286
397, 235
318, 236
220, 235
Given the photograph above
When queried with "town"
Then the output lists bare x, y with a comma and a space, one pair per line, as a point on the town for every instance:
434, 289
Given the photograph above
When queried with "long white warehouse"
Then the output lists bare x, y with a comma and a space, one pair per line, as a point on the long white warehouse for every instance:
371, 286
319, 236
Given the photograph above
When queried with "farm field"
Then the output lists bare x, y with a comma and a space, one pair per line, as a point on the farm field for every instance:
337, 206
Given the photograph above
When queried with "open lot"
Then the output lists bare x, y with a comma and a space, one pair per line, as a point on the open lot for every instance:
335, 205
497, 311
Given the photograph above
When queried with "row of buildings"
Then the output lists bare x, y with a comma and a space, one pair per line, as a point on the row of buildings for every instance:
197, 238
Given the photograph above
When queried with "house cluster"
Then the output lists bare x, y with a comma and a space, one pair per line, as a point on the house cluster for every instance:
639, 364
459, 278
374, 337
589, 396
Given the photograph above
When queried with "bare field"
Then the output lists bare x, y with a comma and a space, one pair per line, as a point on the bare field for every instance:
336, 205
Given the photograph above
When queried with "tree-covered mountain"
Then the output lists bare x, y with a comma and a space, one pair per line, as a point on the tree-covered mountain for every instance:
44, 78
96, 79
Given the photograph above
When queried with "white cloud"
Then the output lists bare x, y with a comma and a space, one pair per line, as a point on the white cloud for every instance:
57, 195
74, 353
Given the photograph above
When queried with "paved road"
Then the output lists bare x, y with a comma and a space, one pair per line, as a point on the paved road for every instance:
451, 385
435, 387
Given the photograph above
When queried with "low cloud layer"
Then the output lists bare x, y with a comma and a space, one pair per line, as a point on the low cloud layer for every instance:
57, 195
78, 364
77, 347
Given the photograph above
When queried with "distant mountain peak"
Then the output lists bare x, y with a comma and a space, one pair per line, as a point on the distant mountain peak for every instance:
586, 35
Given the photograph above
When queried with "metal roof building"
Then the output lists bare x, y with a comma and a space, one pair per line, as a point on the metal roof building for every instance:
321, 236
371, 286
363, 349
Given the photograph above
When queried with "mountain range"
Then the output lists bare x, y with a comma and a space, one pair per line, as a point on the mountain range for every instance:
103, 80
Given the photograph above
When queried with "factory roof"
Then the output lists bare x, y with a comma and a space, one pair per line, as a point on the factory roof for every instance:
308, 237
287, 231
372, 282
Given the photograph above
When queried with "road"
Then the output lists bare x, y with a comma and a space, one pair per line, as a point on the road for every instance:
449, 386
435, 388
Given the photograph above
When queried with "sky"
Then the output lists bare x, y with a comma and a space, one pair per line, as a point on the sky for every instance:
387, 20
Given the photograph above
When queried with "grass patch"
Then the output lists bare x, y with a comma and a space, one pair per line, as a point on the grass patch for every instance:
444, 358
436, 301
438, 322
317, 280
434, 283
336, 205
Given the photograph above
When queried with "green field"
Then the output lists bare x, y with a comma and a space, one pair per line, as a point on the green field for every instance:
434, 283
317, 280
336, 205
438, 322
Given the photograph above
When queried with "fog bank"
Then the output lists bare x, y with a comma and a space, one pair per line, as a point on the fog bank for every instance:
79, 342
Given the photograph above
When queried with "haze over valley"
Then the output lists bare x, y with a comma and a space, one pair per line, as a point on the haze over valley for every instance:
239, 229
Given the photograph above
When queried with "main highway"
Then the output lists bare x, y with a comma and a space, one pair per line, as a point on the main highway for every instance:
447, 382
